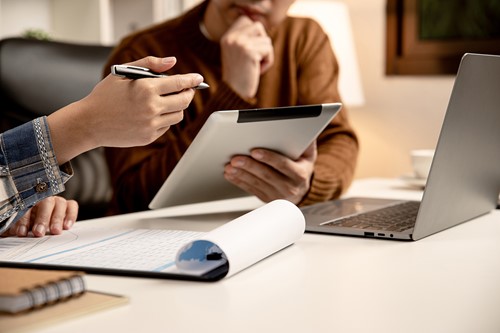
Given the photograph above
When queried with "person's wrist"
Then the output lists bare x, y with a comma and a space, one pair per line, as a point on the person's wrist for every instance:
69, 128
87, 127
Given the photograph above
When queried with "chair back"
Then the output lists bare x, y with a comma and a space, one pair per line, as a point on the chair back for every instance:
38, 78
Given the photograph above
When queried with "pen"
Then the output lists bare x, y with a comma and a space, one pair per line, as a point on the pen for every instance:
136, 72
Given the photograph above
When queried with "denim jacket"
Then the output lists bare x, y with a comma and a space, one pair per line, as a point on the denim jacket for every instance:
29, 171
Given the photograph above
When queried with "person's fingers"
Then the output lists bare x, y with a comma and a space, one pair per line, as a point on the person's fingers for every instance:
71, 214
169, 118
246, 26
271, 175
51, 214
58, 214
247, 53
23, 225
156, 64
293, 170
174, 83
42, 216
177, 83
258, 29
266, 51
249, 183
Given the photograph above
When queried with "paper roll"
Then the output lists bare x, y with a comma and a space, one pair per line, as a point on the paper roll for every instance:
246, 240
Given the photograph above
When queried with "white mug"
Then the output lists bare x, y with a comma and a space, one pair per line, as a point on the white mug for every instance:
421, 160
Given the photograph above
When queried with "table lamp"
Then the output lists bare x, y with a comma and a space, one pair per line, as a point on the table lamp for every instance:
333, 16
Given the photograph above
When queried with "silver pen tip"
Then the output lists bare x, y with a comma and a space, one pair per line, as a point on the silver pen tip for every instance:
202, 85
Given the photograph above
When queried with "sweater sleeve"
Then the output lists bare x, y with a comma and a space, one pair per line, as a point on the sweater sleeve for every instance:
318, 72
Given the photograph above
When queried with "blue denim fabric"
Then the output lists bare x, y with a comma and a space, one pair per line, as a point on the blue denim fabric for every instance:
29, 171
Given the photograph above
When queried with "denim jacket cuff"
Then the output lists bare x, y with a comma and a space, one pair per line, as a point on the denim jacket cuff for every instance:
32, 163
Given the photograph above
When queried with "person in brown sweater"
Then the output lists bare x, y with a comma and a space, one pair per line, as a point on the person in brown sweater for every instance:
253, 56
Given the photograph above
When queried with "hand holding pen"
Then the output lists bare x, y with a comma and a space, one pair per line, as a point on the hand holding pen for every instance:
121, 112
136, 72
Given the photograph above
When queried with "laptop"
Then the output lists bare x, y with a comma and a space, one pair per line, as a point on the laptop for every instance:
464, 180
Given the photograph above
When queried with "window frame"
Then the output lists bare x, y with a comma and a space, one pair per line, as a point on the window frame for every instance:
407, 55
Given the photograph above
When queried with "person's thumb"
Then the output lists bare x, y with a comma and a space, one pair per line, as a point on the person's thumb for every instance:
155, 64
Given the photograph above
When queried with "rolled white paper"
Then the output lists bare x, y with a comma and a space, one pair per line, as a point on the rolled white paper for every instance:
245, 240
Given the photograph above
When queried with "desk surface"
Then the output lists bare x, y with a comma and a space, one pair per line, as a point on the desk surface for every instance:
447, 282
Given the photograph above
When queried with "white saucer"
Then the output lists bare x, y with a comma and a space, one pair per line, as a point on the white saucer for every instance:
413, 181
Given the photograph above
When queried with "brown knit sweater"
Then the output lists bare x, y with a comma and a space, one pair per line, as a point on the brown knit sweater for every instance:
305, 71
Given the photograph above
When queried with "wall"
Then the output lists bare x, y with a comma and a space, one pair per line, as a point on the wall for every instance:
18, 18
400, 112
64, 14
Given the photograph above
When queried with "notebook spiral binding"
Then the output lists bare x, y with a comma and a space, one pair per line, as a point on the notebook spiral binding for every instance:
55, 292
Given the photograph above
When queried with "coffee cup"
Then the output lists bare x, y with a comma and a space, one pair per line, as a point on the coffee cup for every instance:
421, 160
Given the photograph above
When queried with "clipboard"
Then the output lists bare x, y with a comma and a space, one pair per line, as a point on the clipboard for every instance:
160, 253
199, 174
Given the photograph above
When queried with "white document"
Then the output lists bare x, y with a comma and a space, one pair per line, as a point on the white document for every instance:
226, 250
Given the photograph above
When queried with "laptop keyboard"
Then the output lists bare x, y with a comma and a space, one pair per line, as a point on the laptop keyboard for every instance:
396, 218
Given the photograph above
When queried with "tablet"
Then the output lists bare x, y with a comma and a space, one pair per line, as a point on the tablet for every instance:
199, 174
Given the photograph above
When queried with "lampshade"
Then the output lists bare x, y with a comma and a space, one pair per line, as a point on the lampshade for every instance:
333, 16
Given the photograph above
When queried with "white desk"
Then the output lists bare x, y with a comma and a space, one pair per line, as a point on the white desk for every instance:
448, 282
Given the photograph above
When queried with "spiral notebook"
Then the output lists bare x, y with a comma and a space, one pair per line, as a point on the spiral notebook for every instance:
25, 289
33, 298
